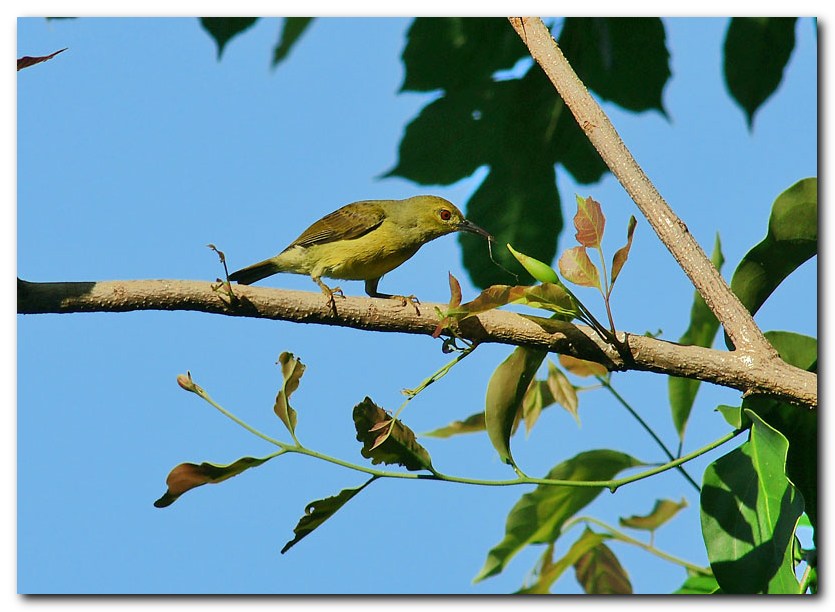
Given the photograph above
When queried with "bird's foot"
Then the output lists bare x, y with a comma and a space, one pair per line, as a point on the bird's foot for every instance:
408, 299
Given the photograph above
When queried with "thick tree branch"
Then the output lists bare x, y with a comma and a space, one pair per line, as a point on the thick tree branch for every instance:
737, 321
736, 369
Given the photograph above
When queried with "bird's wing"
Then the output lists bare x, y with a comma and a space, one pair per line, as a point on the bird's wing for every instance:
349, 222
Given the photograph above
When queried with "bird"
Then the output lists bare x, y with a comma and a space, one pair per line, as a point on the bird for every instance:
363, 241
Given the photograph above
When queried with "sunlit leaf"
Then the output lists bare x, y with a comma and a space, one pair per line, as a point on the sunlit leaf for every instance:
536, 398
757, 50
749, 510
292, 370
320, 510
582, 367
454, 291
576, 267
291, 31
698, 584
400, 446
791, 240
550, 572
622, 254
187, 476
600, 573
589, 222
663, 511
223, 29
563, 391
505, 391
538, 517
26, 60
701, 332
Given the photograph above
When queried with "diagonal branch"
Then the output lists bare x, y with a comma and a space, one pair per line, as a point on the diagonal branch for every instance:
737, 370
737, 321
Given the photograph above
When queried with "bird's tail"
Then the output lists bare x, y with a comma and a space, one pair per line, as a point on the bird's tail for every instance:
255, 272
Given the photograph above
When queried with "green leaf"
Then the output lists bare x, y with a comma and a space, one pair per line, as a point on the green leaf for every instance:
538, 517
577, 268
757, 50
589, 222
383, 445
734, 416
291, 31
663, 511
187, 476
698, 585
223, 29
520, 205
505, 392
624, 60
320, 510
749, 510
292, 370
551, 572
701, 332
540, 270
600, 573
796, 349
791, 240
454, 52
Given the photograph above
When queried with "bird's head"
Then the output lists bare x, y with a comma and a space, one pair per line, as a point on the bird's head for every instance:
434, 216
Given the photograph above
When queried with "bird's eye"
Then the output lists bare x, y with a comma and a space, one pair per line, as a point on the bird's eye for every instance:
445, 214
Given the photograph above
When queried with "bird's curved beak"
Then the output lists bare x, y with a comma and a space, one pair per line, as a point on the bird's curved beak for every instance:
467, 226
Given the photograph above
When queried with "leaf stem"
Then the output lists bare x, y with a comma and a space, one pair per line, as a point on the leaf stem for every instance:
621, 536
608, 386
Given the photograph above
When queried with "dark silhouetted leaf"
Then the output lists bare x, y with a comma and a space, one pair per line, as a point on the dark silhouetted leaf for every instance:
187, 476
589, 222
622, 59
600, 573
455, 52
792, 239
749, 510
701, 332
662, 512
550, 572
26, 60
292, 370
538, 517
757, 50
582, 367
400, 446
622, 254
577, 268
320, 510
292, 30
520, 205
223, 29
505, 392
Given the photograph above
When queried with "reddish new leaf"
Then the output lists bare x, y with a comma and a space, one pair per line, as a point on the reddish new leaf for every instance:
576, 267
622, 253
600, 573
454, 291
187, 476
589, 222
582, 367
562, 391
26, 61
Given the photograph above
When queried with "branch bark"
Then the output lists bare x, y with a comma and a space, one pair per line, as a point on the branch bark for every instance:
730, 369
735, 318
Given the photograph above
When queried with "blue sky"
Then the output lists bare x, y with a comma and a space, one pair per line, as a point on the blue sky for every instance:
136, 148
